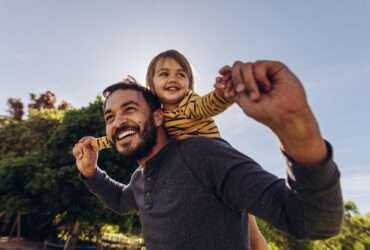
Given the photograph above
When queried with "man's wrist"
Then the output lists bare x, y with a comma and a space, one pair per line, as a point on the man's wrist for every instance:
301, 139
89, 174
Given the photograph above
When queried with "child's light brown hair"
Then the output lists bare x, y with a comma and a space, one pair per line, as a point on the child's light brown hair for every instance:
175, 55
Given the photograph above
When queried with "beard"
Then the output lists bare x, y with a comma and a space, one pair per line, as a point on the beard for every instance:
148, 139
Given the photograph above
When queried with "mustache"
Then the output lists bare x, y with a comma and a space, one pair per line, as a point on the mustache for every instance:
124, 127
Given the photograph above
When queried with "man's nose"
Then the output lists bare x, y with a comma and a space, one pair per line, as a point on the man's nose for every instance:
119, 120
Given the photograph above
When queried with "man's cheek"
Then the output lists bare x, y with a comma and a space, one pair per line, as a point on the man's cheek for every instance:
108, 132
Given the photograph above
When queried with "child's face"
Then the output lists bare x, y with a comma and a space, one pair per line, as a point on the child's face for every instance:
171, 83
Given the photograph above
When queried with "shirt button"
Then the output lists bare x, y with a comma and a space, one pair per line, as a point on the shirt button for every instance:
148, 178
147, 194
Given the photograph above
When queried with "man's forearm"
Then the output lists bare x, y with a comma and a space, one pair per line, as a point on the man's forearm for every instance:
117, 196
301, 139
320, 192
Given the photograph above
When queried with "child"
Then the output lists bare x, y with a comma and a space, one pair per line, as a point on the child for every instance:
186, 114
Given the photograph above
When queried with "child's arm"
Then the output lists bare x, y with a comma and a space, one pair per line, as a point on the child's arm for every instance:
101, 143
211, 104
257, 241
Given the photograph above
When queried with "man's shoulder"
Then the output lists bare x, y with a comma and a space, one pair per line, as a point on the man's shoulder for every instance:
204, 146
203, 141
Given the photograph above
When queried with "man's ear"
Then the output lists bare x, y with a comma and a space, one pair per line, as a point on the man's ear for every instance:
158, 117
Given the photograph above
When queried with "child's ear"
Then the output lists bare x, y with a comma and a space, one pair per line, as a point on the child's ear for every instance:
158, 117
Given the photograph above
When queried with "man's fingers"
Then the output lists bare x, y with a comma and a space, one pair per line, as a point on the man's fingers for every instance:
229, 90
225, 70
260, 72
219, 83
250, 81
83, 147
88, 142
86, 138
244, 102
237, 78
77, 152
244, 81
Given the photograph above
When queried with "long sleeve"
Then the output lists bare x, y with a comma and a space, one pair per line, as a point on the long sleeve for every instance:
116, 196
308, 206
205, 106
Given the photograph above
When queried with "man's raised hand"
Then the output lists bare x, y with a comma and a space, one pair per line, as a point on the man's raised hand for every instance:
86, 156
271, 94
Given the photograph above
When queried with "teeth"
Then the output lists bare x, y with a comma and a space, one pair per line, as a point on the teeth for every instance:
125, 133
173, 87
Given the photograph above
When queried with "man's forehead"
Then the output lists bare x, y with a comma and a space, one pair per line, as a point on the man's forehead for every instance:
120, 97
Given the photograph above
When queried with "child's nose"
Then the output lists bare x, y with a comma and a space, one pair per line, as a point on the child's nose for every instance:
172, 78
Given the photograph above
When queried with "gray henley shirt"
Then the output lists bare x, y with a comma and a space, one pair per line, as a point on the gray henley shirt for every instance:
192, 195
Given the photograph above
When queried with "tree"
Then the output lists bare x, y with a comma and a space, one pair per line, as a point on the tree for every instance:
45, 100
15, 108
355, 234
39, 176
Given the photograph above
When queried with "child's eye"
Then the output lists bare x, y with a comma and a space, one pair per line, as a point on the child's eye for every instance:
163, 73
183, 75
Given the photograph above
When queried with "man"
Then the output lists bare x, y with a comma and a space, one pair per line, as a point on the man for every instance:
191, 193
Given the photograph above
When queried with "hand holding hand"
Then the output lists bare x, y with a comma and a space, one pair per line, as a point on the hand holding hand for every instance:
224, 87
270, 93
86, 156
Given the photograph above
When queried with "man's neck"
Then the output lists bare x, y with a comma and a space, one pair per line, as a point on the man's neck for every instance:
162, 140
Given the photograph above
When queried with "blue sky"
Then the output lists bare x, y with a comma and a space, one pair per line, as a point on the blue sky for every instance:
76, 48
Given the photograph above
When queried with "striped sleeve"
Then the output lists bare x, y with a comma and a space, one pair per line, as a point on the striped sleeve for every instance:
205, 106
101, 143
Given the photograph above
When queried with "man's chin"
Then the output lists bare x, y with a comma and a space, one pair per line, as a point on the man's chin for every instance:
126, 150
129, 151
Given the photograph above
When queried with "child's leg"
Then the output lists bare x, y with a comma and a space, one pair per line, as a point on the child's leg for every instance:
257, 241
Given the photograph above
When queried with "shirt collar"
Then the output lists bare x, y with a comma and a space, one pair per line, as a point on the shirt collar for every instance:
154, 164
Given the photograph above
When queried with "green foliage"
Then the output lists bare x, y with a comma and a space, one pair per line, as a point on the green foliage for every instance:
355, 234
39, 176
48, 114
15, 108
20, 138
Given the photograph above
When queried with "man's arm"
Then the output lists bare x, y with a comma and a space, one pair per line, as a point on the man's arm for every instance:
118, 197
270, 93
309, 206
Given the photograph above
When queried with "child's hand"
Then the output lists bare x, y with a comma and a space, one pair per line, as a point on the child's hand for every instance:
86, 156
101, 143
225, 88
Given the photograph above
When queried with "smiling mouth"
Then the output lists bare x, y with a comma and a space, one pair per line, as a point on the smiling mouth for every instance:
172, 88
125, 134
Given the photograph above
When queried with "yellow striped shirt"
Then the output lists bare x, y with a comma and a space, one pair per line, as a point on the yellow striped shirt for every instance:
192, 117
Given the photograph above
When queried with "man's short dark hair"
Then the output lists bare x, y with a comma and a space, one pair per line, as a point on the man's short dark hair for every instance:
130, 83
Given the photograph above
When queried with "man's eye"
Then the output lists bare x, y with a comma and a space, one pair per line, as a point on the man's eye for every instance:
130, 109
108, 118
